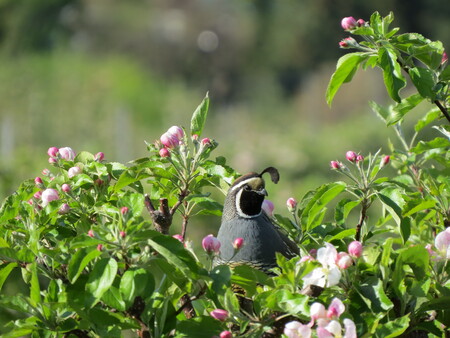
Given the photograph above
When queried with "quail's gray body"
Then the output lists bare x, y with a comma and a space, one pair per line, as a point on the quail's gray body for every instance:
244, 217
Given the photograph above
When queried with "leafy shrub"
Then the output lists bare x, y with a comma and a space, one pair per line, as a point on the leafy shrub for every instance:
94, 265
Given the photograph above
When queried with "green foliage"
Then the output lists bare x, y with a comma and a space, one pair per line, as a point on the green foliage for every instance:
93, 263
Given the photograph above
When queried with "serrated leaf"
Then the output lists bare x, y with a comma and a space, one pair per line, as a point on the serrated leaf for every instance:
392, 72
199, 117
376, 23
429, 117
423, 80
79, 261
345, 69
401, 109
438, 142
101, 277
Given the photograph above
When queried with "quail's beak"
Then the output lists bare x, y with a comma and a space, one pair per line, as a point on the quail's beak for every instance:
263, 192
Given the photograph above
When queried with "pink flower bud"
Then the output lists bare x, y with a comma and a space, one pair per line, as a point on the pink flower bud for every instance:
225, 334
206, 141
444, 58
65, 187
52, 151
359, 158
100, 247
37, 195
344, 261
67, 153
64, 209
313, 252
268, 207
91, 233
385, 161
360, 22
45, 172
307, 258
347, 42
99, 156
52, 160
351, 156
355, 249
179, 237
122, 234
219, 314
38, 181
195, 137
211, 244
291, 204
49, 195
177, 131
335, 165
238, 243
348, 23
124, 210
74, 171
317, 310
169, 140
164, 152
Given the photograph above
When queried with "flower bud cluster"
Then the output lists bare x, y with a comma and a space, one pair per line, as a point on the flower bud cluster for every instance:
171, 139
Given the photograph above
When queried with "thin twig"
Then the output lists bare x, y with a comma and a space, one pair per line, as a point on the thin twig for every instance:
442, 109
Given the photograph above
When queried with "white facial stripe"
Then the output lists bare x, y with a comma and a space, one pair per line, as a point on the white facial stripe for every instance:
240, 184
238, 207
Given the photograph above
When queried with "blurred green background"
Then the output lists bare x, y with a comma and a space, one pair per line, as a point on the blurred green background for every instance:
105, 75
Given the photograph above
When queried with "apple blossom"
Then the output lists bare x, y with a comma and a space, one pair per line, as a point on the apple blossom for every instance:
317, 310
335, 165
442, 243
65, 187
335, 309
211, 244
99, 156
348, 23
355, 249
164, 152
360, 22
327, 275
351, 156
295, 329
49, 195
38, 181
225, 334
169, 140
52, 151
67, 153
344, 261
291, 204
177, 131
268, 207
238, 243
74, 171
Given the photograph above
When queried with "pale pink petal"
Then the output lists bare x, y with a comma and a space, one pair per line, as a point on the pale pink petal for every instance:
317, 310
323, 333
334, 276
334, 327
350, 328
336, 308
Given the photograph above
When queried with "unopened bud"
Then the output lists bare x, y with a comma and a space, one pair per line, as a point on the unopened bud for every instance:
335, 165
219, 314
360, 22
385, 161
100, 247
74, 171
238, 243
291, 204
351, 156
179, 237
122, 234
91, 233
355, 249
52, 151
124, 210
65, 187
226, 334
49, 195
211, 244
38, 181
164, 152
177, 131
359, 158
64, 209
444, 58
99, 156
67, 153
268, 207
169, 140
347, 42
52, 160
206, 141
348, 23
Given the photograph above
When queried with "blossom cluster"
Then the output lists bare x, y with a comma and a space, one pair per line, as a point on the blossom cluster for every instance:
332, 262
326, 321
174, 137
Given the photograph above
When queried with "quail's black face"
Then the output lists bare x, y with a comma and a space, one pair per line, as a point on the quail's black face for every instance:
249, 196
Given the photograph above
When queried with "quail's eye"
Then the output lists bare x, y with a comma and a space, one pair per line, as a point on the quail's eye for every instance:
247, 187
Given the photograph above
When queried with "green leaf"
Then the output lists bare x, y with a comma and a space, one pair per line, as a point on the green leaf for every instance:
5, 271
101, 277
248, 278
393, 328
35, 290
381, 111
113, 298
199, 117
438, 142
285, 301
376, 23
412, 208
130, 177
345, 69
423, 79
372, 290
401, 109
445, 75
405, 229
175, 253
343, 208
429, 117
79, 261
394, 209
135, 282
315, 207
343, 234
199, 327
392, 72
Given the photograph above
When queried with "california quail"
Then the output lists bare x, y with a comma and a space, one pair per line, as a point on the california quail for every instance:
243, 217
